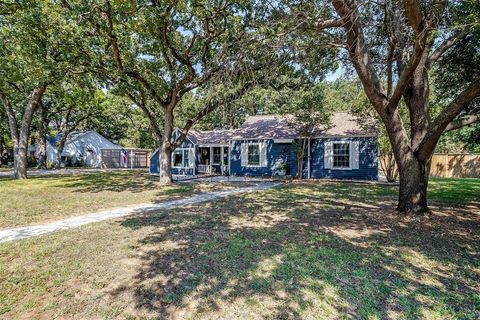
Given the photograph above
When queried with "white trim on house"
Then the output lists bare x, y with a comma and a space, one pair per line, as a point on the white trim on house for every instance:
213, 145
353, 155
346, 136
315, 137
190, 166
244, 154
349, 155
282, 140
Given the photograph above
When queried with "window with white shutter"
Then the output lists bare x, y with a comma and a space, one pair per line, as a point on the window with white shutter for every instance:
253, 154
341, 155
263, 155
355, 154
327, 155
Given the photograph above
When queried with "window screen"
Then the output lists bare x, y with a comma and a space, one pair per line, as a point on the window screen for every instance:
181, 158
254, 155
341, 155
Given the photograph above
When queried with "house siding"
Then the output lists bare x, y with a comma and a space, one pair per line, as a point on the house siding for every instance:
368, 160
275, 152
78, 147
154, 160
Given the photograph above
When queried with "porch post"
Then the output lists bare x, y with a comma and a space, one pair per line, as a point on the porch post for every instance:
308, 162
194, 159
211, 159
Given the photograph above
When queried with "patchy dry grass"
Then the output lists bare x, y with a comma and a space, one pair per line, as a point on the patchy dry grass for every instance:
42, 199
303, 250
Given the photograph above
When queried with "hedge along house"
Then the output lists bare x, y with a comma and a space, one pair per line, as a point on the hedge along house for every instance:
266, 145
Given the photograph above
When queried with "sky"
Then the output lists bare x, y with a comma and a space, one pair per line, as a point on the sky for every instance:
332, 76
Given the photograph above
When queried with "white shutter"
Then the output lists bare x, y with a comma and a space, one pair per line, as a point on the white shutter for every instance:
191, 157
243, 154
327, 154
354, 154
263, 154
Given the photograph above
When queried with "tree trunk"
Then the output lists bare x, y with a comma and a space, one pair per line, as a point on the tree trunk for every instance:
20, 135
300, 156
60, 148
42, 150
413, 187
2, 148
165, 154
413, 171
20, 162
165, 164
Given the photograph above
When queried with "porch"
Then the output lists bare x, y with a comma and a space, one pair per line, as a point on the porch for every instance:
213, 159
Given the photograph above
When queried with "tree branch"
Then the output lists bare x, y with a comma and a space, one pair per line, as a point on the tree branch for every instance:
462, 122
412, 64
414, 13
113, 38
328, 24
447, 44
149, 115
360, 56
12, 120
118, 59
210, 106
447, 116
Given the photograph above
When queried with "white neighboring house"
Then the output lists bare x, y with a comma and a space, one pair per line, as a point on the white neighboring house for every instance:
86, 145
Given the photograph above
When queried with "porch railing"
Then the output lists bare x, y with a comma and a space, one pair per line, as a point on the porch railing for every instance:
207, 169
204, 168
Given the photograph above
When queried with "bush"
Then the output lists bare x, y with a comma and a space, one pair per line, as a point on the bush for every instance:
31, 162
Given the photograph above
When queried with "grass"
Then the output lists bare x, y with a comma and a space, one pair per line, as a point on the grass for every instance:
43, 199
454, 190
303, 250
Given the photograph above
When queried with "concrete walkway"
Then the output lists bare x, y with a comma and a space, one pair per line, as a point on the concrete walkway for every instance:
36, 230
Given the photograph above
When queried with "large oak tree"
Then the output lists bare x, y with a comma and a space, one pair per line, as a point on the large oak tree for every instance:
155, 52
393, 46
39, 44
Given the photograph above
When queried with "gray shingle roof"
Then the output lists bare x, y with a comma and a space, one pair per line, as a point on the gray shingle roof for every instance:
211, 136
344, 124
278, 127
266, 126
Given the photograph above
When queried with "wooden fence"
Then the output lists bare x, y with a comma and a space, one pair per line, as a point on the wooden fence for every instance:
455, 165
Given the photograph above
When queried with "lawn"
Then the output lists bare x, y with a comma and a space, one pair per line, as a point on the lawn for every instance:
318, 250
43, 199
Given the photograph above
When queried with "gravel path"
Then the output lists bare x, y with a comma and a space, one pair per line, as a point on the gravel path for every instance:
36, 230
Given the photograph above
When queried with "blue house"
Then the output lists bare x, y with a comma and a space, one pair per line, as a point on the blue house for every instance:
266, 145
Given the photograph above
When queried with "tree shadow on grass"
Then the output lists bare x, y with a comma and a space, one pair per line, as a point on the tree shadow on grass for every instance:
279, 255
100, 182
